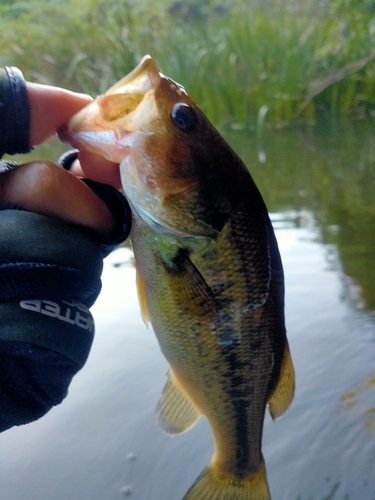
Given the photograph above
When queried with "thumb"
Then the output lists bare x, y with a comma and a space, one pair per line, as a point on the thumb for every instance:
50, 108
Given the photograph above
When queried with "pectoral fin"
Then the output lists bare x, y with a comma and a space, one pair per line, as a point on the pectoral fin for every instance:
190, 288
142, 297
175, 412
283, 395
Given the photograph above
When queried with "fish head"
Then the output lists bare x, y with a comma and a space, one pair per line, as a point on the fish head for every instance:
109, 124
169, 153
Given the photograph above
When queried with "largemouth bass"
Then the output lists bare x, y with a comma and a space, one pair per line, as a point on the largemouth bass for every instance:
209, 273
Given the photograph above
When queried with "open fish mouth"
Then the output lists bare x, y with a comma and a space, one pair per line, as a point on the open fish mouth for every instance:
140, 80
107, 125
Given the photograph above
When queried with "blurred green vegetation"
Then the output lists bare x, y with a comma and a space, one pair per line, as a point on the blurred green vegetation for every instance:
246, 62
297, 57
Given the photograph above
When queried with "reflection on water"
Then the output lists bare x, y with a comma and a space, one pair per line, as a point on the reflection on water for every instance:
102, 443
355, 401
321, 439
328, 169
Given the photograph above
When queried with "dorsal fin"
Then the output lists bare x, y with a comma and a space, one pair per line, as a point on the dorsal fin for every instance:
175, 411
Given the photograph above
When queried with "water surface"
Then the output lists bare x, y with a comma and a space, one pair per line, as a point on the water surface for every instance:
102, 443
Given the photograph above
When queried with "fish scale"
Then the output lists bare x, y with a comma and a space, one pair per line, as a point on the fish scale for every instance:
209, 273
231, 386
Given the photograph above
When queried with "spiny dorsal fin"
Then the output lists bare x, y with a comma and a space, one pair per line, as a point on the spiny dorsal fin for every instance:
175, 412
142, 297
283, 395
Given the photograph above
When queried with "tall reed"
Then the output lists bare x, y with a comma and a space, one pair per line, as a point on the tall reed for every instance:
233, 57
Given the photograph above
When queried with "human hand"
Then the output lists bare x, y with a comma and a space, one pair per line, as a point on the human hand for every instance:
44, 188
50, 268
51, 108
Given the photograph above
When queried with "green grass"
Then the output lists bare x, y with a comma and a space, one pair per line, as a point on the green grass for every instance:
271, 53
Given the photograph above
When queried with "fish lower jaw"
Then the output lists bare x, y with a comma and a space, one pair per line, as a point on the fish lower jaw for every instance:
104, 143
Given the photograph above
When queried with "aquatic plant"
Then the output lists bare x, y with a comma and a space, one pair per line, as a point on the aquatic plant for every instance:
233, 57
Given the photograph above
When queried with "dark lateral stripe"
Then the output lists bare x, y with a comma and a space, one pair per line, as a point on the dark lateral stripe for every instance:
240, 408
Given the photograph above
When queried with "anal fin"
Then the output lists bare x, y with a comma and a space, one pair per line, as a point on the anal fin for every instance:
175, 412
282, 396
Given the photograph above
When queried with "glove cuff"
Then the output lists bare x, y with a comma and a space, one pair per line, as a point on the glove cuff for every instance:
14, 112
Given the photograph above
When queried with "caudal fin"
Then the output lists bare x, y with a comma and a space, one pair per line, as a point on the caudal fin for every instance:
213, 484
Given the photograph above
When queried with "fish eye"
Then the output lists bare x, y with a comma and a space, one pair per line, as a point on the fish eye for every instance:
184, 117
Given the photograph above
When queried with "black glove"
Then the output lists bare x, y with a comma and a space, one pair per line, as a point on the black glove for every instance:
49, 277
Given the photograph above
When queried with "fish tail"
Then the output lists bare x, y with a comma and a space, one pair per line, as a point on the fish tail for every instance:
214, 484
